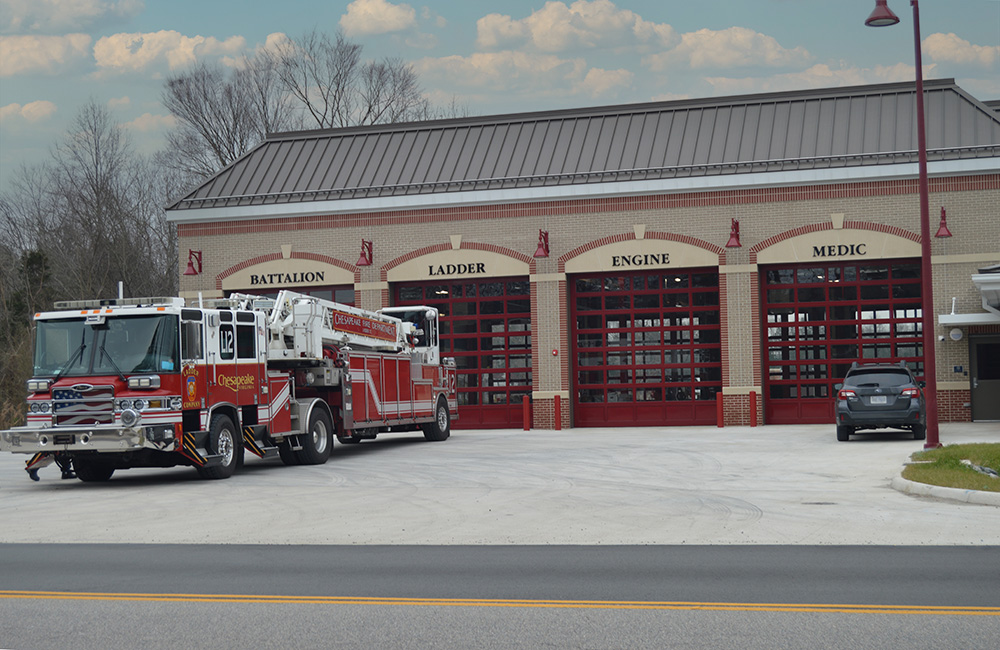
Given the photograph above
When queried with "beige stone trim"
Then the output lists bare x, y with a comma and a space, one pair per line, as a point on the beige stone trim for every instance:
738, 268
456, 241
371, 286
953, 385
549, 394
548, 277
741, 390
608, 257
240, 281
640, 230
837, 219
966, 258
857, 245
492, 265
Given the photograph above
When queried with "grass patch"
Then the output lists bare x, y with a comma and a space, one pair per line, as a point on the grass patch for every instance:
946, 468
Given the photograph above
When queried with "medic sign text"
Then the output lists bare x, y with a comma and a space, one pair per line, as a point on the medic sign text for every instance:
840, 250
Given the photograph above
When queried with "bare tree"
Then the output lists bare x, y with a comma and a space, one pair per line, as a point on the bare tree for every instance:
336, 89
94, 213
221, 115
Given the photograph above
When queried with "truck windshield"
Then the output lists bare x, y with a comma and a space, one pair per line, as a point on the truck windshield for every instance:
129, 344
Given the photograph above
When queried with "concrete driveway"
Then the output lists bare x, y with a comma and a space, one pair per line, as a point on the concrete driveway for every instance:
671, 485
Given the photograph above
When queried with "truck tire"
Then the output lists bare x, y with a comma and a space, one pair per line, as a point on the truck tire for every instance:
440, 428
317, 440
91, 471
228, 444
844, 433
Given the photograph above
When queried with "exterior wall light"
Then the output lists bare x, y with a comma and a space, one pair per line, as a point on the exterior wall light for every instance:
366, 253
734, 235
194, 263
543, 244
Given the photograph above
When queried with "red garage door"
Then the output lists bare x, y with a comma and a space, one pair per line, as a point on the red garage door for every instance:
646, 348
820, 319
486, 327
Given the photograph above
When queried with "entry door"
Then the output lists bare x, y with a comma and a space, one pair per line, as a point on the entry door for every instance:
985, 362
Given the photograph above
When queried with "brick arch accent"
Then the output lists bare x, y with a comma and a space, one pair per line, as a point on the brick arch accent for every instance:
437, 248
622, 237
273, 257
817, 227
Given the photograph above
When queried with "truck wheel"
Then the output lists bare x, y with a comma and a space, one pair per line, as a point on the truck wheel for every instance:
919, 431
844, 433
90, 471
440, 428
229, 446
316, 442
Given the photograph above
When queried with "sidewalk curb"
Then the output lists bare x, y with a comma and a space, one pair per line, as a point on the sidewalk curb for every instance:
953, 494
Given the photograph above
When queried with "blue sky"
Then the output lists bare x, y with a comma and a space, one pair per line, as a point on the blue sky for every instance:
514, 56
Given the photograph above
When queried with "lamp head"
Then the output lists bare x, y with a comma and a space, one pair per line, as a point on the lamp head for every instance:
882, 15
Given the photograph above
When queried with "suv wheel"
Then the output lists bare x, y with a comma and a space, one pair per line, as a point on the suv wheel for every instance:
844, 433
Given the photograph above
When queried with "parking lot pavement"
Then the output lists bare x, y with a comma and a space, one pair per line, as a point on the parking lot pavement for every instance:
670, 485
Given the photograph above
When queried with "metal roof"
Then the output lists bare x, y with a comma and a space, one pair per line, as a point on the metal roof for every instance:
789, 131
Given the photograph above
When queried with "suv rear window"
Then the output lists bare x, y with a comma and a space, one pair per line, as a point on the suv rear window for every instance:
879, 377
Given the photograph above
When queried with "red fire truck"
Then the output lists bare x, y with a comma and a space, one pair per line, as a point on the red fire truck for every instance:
154, 382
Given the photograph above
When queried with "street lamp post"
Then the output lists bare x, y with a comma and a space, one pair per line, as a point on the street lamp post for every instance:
882, 16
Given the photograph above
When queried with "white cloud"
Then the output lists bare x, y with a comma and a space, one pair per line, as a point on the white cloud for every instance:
41, 54
53, 16
949, 48
135, 52
30, 112
365, 17
148, 122
510, 72
557, 27
600, 82
729, 48
119, 102
817, 76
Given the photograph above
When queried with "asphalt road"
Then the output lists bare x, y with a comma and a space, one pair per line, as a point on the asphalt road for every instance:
156, 596
770, 537
680, 485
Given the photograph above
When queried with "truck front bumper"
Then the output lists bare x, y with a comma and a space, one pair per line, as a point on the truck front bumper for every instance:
100, 438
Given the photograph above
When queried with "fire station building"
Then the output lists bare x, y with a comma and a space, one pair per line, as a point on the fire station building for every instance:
634, 264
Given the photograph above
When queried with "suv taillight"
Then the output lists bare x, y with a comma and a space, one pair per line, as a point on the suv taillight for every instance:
911, 392
846, 394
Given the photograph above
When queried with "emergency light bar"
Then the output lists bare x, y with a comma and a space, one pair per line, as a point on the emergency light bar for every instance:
120, 302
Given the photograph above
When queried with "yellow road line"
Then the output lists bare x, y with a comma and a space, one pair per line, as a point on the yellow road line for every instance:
938, 610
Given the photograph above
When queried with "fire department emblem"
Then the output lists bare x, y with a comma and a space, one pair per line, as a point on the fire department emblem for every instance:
192, 389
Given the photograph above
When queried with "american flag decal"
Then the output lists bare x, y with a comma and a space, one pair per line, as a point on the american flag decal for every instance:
95, 405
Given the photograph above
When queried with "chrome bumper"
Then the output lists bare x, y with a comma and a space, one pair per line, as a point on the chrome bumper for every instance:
102, 438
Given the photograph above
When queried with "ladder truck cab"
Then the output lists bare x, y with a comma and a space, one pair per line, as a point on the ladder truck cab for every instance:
154, 382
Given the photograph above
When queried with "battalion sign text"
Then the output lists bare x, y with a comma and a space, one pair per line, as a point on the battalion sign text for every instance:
840, 250
308, 277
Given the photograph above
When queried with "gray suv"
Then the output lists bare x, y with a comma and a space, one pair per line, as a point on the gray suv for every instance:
880, 395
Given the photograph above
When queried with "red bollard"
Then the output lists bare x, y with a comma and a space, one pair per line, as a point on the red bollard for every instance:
719, 419
753, 408
526, 413
558, 408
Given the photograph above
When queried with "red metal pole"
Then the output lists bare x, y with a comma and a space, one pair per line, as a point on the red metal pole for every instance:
525, 413
558, 408
926, 285
718, 410
753, 408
